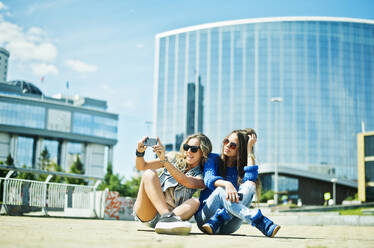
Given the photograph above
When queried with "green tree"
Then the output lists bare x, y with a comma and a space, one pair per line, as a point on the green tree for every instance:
109, 173
44, 159
132, 186
9, 160
26, 175
114, 182
46, 164
56, 167
3, 172
77, 168
268, 195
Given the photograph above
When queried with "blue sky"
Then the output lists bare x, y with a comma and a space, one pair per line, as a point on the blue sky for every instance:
105, 49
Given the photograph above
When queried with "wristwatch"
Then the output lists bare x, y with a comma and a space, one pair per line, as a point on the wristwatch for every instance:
139, 154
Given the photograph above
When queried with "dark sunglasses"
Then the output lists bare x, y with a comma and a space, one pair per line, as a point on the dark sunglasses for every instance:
194, 149
232, 145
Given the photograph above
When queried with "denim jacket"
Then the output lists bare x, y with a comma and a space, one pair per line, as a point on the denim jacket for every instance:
181, 193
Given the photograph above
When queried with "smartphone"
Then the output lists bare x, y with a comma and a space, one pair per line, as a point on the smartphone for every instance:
240, 196
150, 142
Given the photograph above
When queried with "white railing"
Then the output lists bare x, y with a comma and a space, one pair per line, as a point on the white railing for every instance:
70, 198
56, 195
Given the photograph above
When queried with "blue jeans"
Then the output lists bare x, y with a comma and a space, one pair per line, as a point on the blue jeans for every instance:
240, 211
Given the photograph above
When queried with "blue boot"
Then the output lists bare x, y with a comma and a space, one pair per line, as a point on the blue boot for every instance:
266, 226
216, 221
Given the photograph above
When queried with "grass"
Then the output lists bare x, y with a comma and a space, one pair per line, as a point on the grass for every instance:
357, 211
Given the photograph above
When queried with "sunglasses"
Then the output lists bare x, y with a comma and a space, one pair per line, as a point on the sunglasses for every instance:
194, 149
232, 145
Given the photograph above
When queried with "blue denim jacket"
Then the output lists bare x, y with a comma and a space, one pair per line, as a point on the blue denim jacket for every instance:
181, 193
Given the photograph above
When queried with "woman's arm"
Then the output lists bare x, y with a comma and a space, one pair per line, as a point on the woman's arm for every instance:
140, 163
213, 180
231, 192
250, 170
252, 139
187, 181
211, 174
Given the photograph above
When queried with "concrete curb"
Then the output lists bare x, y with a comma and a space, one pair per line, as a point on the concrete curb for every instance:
323, 220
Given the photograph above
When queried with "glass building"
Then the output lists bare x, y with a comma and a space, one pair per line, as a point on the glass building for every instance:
66, 127
4, 55
305, 84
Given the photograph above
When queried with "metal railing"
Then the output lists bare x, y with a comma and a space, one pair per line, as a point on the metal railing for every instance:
47, 195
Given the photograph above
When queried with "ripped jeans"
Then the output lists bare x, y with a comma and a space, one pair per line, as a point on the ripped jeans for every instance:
239, 211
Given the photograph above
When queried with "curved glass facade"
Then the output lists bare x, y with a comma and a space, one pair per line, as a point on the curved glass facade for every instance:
322, 68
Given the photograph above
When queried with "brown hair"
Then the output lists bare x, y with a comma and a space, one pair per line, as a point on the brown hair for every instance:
241, 157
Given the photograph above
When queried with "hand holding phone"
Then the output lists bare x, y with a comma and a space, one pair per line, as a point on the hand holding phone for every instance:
150, 142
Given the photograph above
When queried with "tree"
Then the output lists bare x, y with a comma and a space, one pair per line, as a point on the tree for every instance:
132, 186
3, 172
44, 159
56, 167
9, 160
46, 164
114, 183
268, 195
77, 168
109, 173
26, 175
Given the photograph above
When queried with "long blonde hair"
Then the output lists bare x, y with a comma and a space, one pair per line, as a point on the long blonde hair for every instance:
205, 147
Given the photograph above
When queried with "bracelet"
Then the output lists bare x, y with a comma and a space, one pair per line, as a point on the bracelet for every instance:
164, 161
252, 156
139, 154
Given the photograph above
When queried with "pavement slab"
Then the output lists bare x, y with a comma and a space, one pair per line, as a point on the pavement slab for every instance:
21, 231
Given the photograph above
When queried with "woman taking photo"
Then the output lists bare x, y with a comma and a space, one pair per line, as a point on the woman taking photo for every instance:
231, 181
164, 201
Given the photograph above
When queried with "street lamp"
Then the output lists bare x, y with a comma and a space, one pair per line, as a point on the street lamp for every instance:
276, 100
334, 180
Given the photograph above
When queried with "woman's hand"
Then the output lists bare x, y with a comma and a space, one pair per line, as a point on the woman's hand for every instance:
252, 138
141, 147
231, 193
159, 149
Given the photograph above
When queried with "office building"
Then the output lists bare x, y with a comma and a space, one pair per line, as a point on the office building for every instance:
321, 69
66, 126
4, 55
365, 162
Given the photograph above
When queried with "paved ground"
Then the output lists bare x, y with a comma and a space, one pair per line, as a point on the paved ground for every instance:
26, 232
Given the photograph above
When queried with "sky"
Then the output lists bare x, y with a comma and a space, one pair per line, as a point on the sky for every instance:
105, 49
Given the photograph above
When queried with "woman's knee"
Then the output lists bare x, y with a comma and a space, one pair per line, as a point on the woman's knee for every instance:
248, 187
149, 175
219, 191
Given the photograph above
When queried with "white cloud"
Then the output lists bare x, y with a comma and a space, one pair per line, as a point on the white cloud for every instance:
36, 34
44, 69
140, 46
80, 66
33, 8
3, 6
32, 45
26, 50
